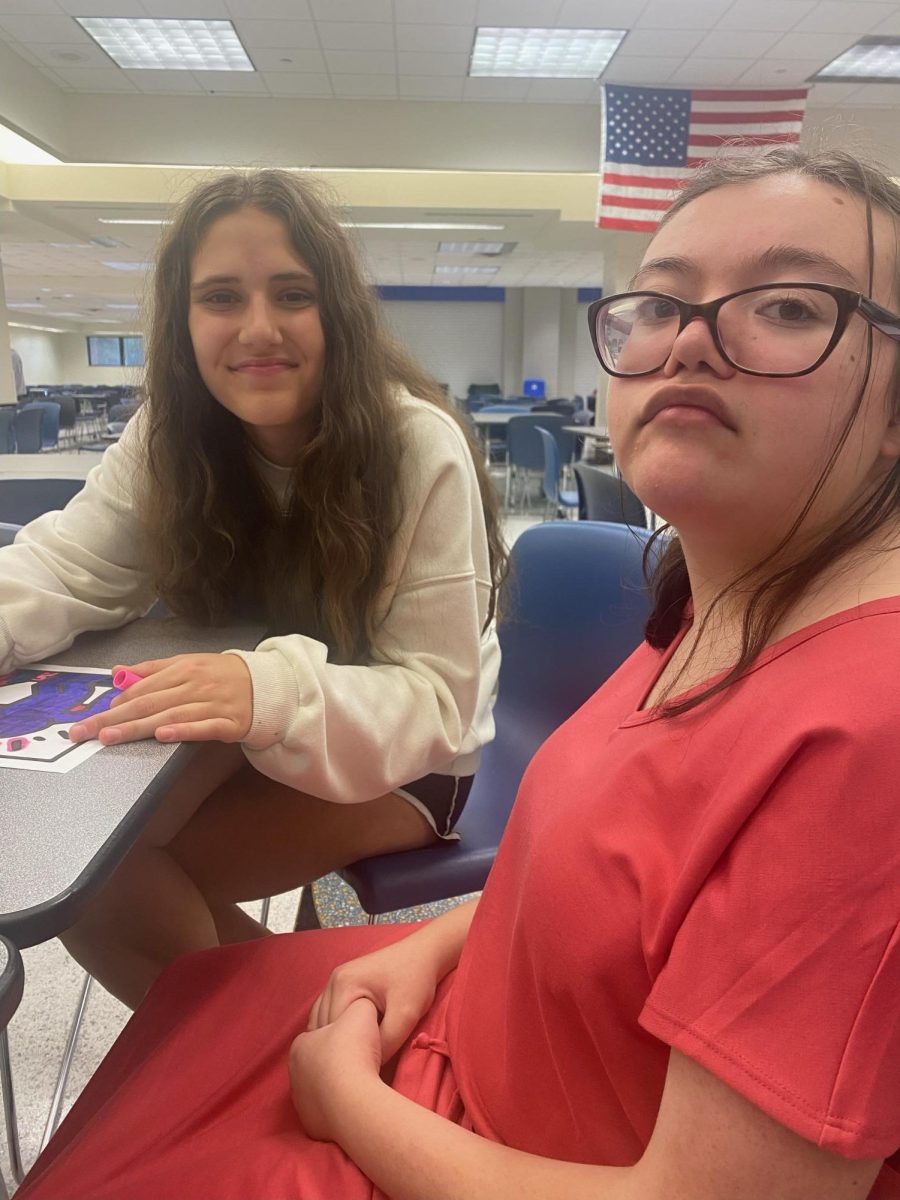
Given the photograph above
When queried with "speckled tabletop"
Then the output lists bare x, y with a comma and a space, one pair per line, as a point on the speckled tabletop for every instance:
61, 836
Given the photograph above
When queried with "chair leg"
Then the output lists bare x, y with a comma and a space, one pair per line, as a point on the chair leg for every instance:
9, 1108
264, 912
307, 913
372, 919
62, 1079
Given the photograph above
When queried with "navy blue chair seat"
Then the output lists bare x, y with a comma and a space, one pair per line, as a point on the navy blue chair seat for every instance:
21, 500
576, 609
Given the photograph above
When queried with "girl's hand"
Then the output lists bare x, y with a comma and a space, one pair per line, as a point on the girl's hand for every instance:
399, 981
188, 698
332, 1068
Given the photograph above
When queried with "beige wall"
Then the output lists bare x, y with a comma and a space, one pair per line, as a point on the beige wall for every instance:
54, 358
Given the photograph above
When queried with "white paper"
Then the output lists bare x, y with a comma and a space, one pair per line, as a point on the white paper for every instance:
39, 703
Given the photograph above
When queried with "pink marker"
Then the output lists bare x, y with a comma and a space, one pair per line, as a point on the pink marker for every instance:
124, 679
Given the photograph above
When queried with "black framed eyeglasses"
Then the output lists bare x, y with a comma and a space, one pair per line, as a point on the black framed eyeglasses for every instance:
776, 330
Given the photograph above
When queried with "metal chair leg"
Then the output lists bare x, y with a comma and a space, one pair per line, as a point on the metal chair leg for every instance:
9, 1108
372, 919
264, 912
62, 1078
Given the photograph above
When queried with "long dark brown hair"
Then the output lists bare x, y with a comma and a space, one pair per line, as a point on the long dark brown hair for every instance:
219, 546
768, 594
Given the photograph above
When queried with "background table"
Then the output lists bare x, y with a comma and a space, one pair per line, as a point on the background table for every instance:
62, 836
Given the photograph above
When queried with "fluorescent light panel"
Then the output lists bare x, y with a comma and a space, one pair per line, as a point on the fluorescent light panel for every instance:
466, 270
128, 266
412, 225
543, 53
39, 328
158, 44
134, 221
471, 247
871, 60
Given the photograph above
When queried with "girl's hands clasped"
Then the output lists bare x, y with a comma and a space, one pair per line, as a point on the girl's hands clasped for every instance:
188, 698
400, 981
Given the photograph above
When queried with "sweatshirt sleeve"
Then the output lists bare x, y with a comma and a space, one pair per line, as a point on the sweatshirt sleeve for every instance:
350, 733
80, 568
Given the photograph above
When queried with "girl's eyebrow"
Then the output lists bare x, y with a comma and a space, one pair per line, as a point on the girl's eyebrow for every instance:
281, 277
775, 258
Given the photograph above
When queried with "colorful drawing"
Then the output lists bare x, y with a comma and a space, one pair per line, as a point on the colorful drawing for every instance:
38, 706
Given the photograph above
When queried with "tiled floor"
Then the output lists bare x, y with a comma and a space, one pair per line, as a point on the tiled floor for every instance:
39, 1029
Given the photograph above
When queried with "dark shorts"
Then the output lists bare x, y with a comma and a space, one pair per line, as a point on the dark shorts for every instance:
440, 799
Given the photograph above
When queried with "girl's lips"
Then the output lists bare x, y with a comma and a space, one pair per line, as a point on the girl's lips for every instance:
272, 367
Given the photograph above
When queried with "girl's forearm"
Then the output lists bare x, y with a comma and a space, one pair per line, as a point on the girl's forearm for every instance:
446, 935
414, 1154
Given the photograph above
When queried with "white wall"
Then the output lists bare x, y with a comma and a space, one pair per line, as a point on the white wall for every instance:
541, 336
586, 369
41, 355
458, 342
76, 370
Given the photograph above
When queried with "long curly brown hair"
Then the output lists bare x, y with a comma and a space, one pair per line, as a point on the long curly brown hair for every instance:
219, 547
768, 594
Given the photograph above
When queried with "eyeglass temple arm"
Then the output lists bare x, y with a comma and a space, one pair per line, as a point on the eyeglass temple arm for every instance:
883, 319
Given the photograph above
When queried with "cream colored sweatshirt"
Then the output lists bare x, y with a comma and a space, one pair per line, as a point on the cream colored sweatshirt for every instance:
343, 733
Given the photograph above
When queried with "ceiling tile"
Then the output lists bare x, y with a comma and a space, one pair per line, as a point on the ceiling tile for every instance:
31, 7
496, 89
891, 26
204, 10
732, 44
433, 12
637, 70
289, 10
659, 43
352, 10
104, 8
288, 59
824, 94
357, 35
71, 57
781, 72
44, 28
430, 87
433, 64
824, 46
766, 14
859, 19
223, 83
710, 72
94, 79
699, 14
521, 14
277, 34
599, 14
361, 86
878, 95
285, 83
441, 39
566, 91
163, 81
358, 62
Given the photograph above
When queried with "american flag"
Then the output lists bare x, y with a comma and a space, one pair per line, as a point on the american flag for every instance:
654, 137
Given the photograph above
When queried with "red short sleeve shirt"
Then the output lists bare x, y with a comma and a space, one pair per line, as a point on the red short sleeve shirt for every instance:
727, 883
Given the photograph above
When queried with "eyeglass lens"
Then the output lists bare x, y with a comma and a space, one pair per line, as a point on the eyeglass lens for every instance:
775, 330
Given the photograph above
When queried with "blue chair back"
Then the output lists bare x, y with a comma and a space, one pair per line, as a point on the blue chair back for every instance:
29, 424
50, 427
576, 610
525, 449
8, 533
552, 465
605, 497
7, 429
21, 500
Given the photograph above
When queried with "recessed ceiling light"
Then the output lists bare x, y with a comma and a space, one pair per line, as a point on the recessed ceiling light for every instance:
871, 60
471, 247
442, 270
128, 266
134, 221
543, 53
71, 245
412, 225
26, 304
131, 307
151, 44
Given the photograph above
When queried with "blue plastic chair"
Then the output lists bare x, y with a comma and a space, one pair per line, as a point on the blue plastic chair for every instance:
12, 977
525, 453
28, 424
8, 533
575, 610
50, 426
21, 500
557, 498
7, 429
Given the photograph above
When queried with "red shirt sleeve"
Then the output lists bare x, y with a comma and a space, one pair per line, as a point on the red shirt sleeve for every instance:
784, 976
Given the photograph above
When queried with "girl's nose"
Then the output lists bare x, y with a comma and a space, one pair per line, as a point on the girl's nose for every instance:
260, 325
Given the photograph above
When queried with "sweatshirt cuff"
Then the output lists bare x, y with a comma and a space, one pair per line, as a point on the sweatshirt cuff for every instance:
276, 697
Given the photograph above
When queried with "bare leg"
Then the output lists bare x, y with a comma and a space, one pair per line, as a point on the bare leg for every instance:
224, 834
